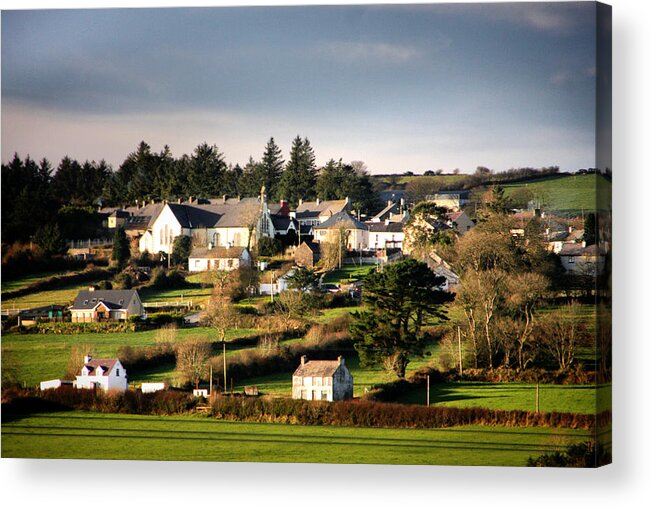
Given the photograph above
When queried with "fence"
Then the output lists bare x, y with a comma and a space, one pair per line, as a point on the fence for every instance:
186, 303
89, 243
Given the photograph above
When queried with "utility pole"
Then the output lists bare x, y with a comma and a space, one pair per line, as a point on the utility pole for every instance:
537, 397
428, 390
460, 355
272, 286
224, 355
210, 392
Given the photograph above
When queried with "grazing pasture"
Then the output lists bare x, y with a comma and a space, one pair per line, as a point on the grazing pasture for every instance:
70, 435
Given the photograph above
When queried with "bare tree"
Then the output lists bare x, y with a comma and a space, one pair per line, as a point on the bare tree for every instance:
561, 333
192, 360
76, 359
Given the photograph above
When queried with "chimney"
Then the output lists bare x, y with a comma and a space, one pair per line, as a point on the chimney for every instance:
340, 359
152, 202
347, 200
191, 199
179, 200
570, 229
303, 360
300, 201
387, 221
583, 244
210, 245
224, 197
239, 198
87, 359
91, 288
318, 201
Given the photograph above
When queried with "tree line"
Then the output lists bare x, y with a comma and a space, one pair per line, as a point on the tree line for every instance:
35, 194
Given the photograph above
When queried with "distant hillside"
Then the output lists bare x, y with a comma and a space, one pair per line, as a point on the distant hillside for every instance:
568, 194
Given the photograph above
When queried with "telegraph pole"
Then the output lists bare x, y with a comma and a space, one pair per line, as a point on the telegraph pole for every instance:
224, 354
428, 390
210, 392
460, 356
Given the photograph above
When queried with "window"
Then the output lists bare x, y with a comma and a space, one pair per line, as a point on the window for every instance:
317, 381
328, 381
230, 263
93, 300
117, 372
196, 263
324, 395
570, 259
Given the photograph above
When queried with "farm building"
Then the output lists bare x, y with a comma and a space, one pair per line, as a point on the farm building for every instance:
322, 380
105, 374
42, 313
221, 258
92, 305
307, 254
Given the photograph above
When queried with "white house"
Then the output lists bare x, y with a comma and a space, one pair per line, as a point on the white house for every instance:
224, 222
55, 384
93, 305
311, 213
383, 235
105, 374
322, 380
272, 284
451, 199
220, 258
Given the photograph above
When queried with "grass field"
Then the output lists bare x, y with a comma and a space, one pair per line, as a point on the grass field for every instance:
63, 296
19, 283
566, 194
70, 435
37, 357
348, 274
580, 399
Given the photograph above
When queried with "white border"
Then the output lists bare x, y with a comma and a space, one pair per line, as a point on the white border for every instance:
627, 482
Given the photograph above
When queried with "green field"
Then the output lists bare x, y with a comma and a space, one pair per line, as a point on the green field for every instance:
37, 357
19, 283
70, 435
348, 274
566, 194
62, 296
580, 399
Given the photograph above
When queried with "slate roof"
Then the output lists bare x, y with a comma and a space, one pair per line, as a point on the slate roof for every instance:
313, 209
88, 299
229, 213
382, 227
219, 252
315, 247
342, 219
281, 222
574, 249
317, 369
106, 364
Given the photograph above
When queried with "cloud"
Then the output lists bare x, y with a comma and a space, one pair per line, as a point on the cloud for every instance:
353, 52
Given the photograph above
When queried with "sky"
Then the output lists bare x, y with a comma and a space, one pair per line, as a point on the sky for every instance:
400, 87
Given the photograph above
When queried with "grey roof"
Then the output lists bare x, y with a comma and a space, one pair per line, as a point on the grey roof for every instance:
313, 209
341, 219
233, 252
317, 369
382, 227
388, 210
282, 222
573, 249
115, 299
41, 311
219, 213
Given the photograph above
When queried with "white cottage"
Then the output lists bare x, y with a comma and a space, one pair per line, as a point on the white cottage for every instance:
218, 258
105, 374
322, 380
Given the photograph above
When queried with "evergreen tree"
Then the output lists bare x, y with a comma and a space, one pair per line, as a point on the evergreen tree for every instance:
399, 300
298, 181
206, 171
249, 183
270, 168
121, 251
49, 238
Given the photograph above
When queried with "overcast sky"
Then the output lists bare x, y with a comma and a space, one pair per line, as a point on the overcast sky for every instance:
399, 87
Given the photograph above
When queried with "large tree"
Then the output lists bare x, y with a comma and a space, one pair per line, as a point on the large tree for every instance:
271, 167
298, 181
400, 300
207, 171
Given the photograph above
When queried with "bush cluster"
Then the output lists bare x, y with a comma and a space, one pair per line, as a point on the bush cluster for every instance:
387, 415
583, 455
78, 327
162, 279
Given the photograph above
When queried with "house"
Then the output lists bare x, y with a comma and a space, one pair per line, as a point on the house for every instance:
459, 221
222, 222
307, 254
42, 313
329, 231
93, 305
272, 282
322, 380
420, 227
582, 259
105, 374
385, 235
441, 268
393, 212
55, 384
221, 258
451, 199
152, 387
311, 213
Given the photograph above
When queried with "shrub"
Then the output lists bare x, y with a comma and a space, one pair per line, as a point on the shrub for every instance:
583, 455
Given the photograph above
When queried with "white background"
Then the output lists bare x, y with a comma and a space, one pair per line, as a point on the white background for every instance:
626, 482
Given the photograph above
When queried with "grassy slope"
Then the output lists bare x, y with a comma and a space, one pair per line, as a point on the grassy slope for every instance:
569, 194
38, 357
113, 436
19, 283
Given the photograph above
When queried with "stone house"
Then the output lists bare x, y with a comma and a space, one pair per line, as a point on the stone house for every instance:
307, 254
329, 231
322, 380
